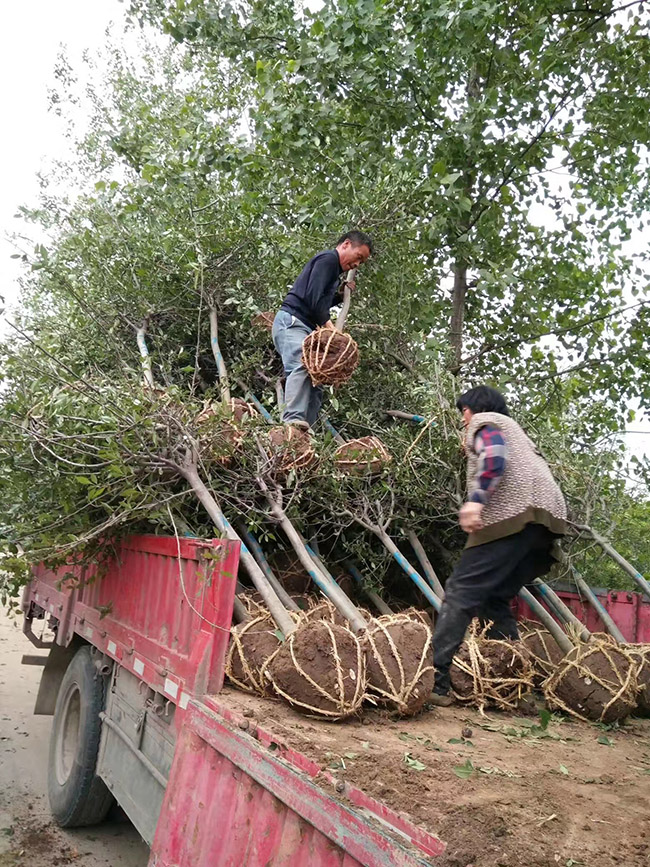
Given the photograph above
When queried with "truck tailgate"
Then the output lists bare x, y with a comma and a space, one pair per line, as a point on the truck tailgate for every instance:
233, 800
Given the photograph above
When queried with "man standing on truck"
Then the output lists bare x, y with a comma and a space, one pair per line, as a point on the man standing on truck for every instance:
307, 307
514, 513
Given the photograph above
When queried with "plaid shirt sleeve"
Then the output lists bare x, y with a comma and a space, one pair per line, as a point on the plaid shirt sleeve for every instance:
490, 447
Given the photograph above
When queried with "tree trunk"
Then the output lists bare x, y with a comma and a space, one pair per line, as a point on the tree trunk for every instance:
278, 611
218, 357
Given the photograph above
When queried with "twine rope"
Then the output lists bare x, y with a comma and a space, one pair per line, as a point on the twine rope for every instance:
504, 692
343, 708
322, 368
399, 696
627, 686
376, 454
252, 683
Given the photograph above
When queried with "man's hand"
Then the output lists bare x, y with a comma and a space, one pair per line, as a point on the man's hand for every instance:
469, 517
352, 285
329, 325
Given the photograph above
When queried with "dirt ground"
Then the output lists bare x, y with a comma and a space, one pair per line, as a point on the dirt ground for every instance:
27, 834
500, 791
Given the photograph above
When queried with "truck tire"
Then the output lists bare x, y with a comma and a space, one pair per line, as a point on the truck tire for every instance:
77, 795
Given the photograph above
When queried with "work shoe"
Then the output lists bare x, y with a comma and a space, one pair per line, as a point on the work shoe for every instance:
441, 700
301, 425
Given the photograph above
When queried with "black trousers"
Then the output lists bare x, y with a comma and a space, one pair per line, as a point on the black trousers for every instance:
483, 584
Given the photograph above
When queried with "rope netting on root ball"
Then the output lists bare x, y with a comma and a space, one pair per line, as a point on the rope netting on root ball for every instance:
641, 654
320, 670
325, 610
399, 662
253, 603
329, 356
364, 455
264, 320
251, 645
289, 448
544, 652
221, 428
489, 672
595, 682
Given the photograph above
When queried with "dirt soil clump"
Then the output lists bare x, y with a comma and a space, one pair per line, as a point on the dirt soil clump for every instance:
320, 670
595, 681
399, 662
251, 645
641, 653
500, 792
544, 652
491, 673
329, 356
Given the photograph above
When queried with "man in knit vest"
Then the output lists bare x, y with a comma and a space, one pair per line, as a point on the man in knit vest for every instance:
514, 513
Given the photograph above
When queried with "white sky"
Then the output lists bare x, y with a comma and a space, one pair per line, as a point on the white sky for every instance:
34, 31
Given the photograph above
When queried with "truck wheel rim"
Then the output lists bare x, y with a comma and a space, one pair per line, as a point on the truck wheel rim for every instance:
68, 735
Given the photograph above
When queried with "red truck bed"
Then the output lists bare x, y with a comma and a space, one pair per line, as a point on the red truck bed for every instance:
163, 614
211, 776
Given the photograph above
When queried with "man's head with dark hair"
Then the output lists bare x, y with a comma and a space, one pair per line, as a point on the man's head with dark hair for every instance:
483, 398
354, 248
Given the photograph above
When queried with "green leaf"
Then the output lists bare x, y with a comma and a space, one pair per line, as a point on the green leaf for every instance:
413, 763
608, 742
564, 770
465, 770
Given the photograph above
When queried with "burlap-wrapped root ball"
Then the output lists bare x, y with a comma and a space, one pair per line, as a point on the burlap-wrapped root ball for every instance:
329, 356
491, 672
289, 449
399, 662
595, 681
363, 456
320, 670
251, 645
641, 654
221, 428
544, 652
264, 320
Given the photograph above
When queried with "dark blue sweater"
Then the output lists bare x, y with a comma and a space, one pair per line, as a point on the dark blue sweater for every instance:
316, 290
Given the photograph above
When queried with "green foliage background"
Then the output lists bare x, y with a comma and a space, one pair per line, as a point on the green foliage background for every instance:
497, 152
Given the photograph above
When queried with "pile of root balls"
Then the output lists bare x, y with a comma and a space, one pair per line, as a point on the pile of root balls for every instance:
598, 681
325, 670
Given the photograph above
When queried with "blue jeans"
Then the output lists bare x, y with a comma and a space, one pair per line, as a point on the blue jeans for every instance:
302, 400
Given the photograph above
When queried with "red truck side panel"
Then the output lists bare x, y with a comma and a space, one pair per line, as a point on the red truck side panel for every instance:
171, 633
630, 612
230, 802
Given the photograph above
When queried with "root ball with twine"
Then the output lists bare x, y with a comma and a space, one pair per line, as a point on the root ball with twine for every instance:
251, 645
319, 670
544, 652
361, 456
641, 654
289, 449
221, 427
595, 682
264, 320
399, 662
329, 356
325, 610
488, 672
